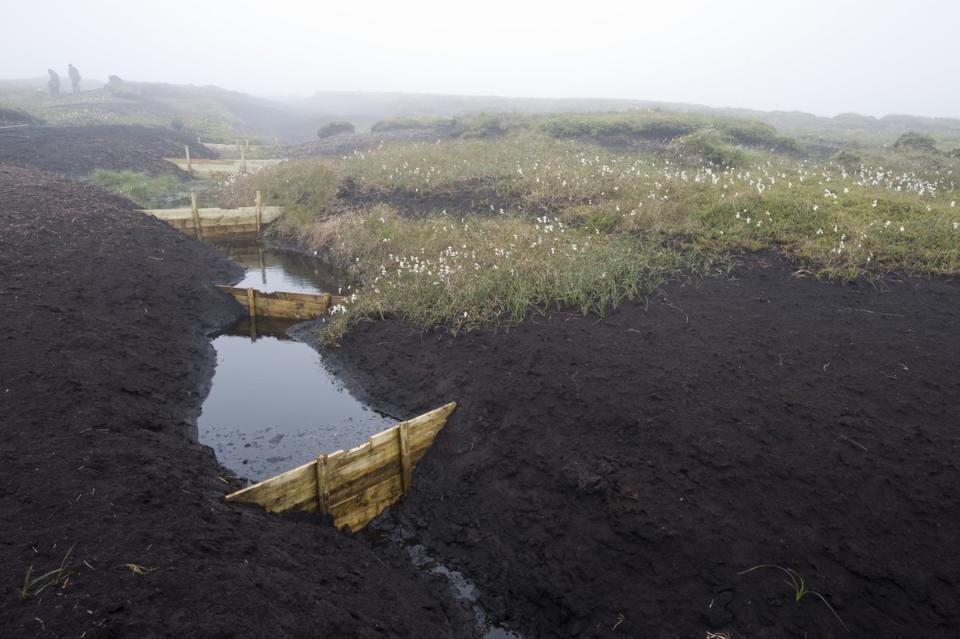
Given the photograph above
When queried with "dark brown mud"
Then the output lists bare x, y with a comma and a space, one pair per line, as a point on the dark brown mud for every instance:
613, 477
105, 359
78, 150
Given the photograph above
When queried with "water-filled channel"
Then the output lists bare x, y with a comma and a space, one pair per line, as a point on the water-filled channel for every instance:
273, 405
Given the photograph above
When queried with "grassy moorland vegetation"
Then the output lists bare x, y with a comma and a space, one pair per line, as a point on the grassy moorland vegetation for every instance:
577, 223
145, 190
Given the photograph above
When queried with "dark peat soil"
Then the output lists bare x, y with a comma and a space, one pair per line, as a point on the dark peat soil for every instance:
78, 150
612, 477
104, 361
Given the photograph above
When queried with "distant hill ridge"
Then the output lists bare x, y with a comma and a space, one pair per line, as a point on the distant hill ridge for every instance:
222, 114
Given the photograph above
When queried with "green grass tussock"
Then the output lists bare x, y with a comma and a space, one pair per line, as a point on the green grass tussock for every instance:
149, 191
463, 273
303, 187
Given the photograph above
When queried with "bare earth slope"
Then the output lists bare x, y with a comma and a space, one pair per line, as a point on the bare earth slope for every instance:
104, 359
78, 150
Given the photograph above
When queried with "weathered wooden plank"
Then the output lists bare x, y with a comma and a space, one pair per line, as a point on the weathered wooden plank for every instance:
233, 146
380, 457
212, 216
251, 304
194, 212
406, 461
382, 447
357, 511
343, 488
215, 167
360, 517
361, 460
295, 489
323, 486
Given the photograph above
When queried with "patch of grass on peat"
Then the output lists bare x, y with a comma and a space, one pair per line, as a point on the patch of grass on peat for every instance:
797, 583
35, 584
487, 271
145, 190
302, 187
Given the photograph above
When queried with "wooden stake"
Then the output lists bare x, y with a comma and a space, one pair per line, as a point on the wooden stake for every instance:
196, 216
186, 148
323, 486
243, 161
406, 467
252, 312
251, 304
259, 211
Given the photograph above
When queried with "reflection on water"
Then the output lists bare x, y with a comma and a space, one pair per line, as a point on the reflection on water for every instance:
272, 403
271, 270
274, 406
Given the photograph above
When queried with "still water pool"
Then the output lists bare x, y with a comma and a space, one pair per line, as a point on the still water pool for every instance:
273, 405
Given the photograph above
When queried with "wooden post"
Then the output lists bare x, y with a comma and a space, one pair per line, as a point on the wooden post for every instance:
186, 148
251, 304
252, 312
263, 267
323, 487
406, 468
243, 161
259, 211
196, 215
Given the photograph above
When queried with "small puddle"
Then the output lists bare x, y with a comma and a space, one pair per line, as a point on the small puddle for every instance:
273, 405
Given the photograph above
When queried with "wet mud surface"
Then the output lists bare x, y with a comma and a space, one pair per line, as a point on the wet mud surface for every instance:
78, 151
612, 477
105, 360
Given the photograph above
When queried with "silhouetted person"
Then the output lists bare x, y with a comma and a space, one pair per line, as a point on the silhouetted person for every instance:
74, 78
53, 83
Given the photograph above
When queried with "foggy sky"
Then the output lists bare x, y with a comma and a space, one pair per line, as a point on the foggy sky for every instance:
823, 56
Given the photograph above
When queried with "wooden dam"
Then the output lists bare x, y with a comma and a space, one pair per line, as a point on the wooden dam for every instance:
353, 486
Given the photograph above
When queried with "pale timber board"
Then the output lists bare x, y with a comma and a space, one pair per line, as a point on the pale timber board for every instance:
343, 489
211, 167
359, 510
295, 489
213, 215
384, 447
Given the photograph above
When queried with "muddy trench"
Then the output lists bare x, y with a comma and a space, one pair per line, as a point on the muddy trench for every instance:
275, 404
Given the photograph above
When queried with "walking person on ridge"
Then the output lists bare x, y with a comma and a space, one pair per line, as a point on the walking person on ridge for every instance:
74, 78
53, 83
